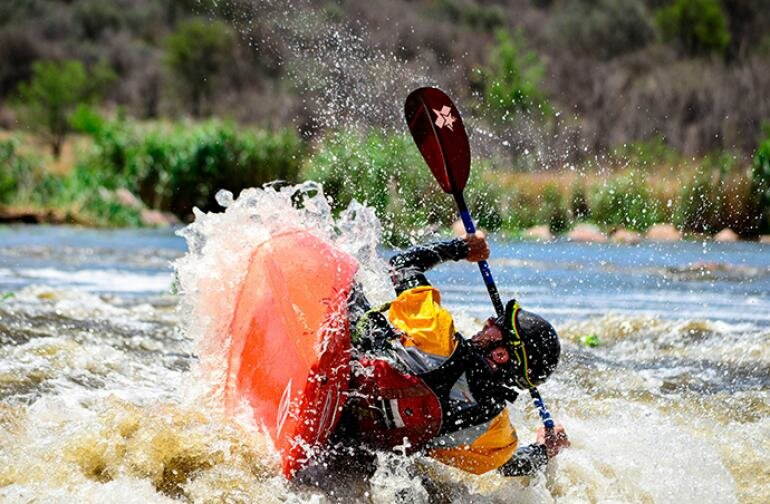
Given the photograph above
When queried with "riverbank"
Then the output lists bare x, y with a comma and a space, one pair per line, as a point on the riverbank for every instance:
119, 172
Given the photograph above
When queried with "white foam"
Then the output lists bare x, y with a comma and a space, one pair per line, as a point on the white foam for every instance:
101, 280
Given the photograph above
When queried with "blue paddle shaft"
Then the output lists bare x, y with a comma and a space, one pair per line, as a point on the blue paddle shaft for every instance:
486, 273
545, 415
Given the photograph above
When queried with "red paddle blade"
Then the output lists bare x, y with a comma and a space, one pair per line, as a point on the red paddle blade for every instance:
438, 131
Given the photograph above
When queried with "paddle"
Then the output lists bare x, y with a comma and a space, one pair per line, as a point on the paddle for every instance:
439, 133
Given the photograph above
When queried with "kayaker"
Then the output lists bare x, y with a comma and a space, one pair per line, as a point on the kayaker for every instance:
418, 385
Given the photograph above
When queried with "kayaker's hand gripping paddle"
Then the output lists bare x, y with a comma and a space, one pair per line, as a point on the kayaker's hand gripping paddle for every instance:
438, 131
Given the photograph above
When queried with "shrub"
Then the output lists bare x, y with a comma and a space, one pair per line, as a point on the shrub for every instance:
80, 195
472, 14
739, 209
177, 167
604, 28
699, 26
23, 179
517, 210
195, 53
579, 202
719, 195
625, 201
697, 208
552, 210
48, 100
11, 166
646, 154
86, 197
511, 81
388, 173
95, 17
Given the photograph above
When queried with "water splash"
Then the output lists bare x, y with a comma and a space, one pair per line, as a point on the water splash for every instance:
221, 243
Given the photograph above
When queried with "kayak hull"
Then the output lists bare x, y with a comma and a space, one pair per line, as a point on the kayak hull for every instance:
289, 356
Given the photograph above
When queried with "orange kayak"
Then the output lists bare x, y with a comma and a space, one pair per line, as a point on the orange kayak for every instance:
290, 345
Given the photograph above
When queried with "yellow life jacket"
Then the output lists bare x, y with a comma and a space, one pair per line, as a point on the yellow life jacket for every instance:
493, 448
425, 324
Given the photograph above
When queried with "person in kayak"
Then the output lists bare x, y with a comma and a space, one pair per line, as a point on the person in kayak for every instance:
418, 385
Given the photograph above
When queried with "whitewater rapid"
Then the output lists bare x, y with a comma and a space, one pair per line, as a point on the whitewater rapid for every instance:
107, 367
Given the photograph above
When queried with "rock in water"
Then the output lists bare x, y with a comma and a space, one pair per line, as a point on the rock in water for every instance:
156, 218
587, 233
539, 233
626, 237
664, 233
727, 235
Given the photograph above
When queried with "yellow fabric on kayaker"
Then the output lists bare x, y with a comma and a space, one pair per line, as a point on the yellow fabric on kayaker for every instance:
425, 323
489, 451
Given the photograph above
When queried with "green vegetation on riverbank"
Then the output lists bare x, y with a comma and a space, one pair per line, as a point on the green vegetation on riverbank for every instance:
124, 168
173, 167
614, 112
633, 189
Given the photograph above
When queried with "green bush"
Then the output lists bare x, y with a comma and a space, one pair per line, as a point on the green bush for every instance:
177, 167
54, 91
23, 178
511, 81
85, 198
195, 53
604, 28
645, 154
626, 201
699, 26
518, 213
95, 17
698, 204
25, 182
552, 210
388, 173
579, 202
11, 166
472, 14
760, 180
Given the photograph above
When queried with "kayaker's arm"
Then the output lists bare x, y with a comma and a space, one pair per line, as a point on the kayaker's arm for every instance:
408, 268
370, 328
530, 459
526, 461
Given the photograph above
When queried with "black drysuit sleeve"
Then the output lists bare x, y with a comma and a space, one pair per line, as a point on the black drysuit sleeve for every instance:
371, 330
526, 461
408, 268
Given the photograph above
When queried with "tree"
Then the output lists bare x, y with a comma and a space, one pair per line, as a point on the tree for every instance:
511, 81
47, 101
194, 54
700, 26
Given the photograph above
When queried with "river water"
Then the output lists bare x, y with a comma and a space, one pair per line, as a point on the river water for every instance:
100, 388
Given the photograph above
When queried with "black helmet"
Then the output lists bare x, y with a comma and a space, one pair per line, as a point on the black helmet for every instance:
533, 342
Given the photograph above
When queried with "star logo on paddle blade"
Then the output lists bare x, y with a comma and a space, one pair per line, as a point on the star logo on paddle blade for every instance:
444, 117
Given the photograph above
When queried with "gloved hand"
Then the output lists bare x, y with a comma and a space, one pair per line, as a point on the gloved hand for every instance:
554, 441
478, 248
